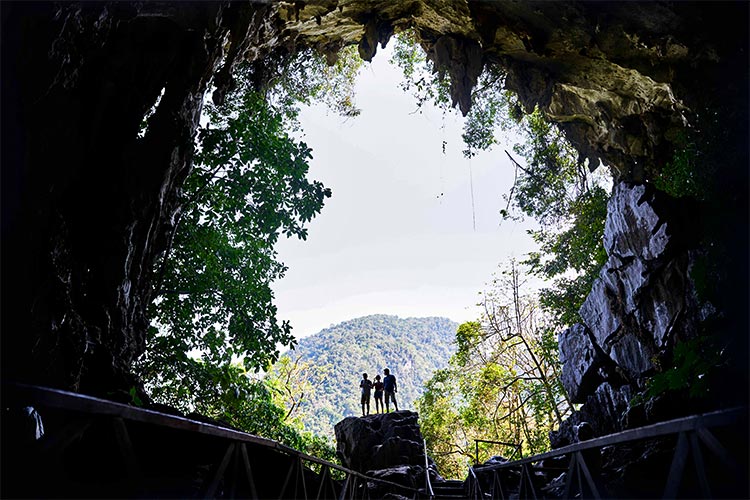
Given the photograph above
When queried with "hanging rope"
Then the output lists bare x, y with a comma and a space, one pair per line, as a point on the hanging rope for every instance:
473, 210
442, 162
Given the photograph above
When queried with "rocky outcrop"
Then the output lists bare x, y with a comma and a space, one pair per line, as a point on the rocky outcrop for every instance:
386, 446
641, 305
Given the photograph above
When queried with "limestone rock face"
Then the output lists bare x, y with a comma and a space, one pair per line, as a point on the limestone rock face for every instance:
639, 307
581, 363
619, 77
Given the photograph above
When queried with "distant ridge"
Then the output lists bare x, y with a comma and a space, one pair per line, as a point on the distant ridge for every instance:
411, 347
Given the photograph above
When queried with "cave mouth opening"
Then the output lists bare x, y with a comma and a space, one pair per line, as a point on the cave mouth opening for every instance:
101, 209
414, 227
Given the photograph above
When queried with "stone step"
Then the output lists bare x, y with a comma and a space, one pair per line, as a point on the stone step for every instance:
450, 482
447, 490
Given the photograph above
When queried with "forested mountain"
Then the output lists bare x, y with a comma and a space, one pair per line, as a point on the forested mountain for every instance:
412, 348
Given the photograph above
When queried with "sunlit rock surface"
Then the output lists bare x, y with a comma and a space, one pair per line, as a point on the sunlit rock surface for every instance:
642, 304
581, 363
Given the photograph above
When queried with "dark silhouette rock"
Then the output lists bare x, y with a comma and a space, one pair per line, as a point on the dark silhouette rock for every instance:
387, 446
379, 441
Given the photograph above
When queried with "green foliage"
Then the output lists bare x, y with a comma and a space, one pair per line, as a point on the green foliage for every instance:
308, 78
691, 171
334, 359
679, 176
546, 184
492, 107
228, 393
420, 79
694, 362
571, 206
214, 316
248, 187
501, 384
553, 185
467, 337
291, 379
578, 248
135, 400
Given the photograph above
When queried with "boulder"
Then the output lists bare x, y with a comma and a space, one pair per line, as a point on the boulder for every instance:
386, 446
379, 441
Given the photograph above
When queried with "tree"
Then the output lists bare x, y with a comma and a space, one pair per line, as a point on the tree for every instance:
501, 384
214, 316
570, 203
248, 187
290, 378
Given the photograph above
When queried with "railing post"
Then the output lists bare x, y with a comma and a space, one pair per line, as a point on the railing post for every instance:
135, 474
219, 469
700, 468
248, 471
427, 483
344, 487
678, 465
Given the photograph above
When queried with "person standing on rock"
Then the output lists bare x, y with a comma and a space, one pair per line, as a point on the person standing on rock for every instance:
389, 385
366, 386
378, 386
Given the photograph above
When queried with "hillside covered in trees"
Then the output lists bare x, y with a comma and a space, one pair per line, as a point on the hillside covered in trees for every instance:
331, 363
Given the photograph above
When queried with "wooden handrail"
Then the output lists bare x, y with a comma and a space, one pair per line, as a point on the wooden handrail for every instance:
712, 419
57, 398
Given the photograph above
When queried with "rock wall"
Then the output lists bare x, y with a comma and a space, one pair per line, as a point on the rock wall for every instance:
643, 303
90, 193
89, 204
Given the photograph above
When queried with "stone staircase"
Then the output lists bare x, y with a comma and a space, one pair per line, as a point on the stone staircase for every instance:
449, 489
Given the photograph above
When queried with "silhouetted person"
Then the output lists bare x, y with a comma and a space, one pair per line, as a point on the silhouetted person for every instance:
365, 385
378, 387
390, 388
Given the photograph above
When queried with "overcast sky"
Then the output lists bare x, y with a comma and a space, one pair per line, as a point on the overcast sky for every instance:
398, 235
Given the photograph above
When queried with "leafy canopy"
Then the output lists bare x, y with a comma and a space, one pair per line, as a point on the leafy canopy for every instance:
214, 317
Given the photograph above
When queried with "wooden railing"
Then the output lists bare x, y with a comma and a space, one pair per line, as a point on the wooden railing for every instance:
133, 444
582, 482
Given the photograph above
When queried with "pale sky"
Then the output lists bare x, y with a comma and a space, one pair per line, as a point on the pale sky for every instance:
397, 236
